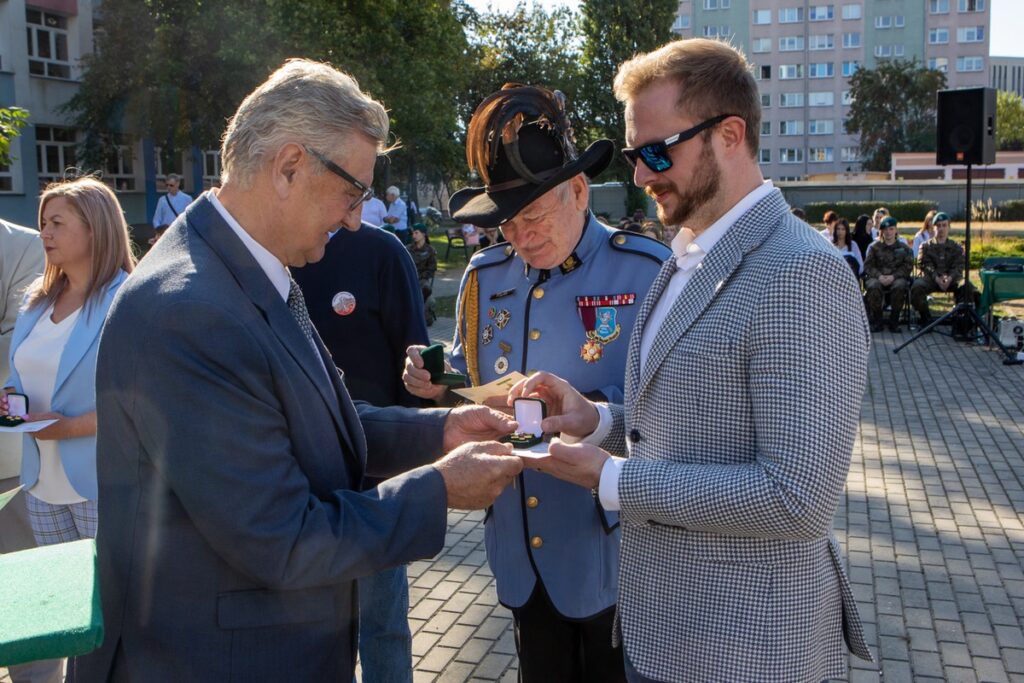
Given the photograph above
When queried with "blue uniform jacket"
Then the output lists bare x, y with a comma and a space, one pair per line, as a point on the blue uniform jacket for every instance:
575, 321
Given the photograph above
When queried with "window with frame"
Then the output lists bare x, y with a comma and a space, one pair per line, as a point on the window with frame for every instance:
762, 17
766, 128
119, 165
938, 6
55, 152
883, 50
883, 21
794, 127
970, 34
849, 154
938, 36
790, 71
47, 40
820, 127
851, 39
939, 64
766, 100
791, 43
681, 23
846, 98
822, 42
763, 72
850, 68
791, 155
851, 11
820, 13
968, 64
791, 15
717, 31
825, 98
817, 155
821, 70
899, 21
211, 167
761, 45
6, 178
710, 4
764, 156
791, 99
970, 5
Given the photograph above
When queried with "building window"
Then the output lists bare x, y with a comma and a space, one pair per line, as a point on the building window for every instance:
762, 17
850, 68
899, 21
55, 151
821, 99
764, 156
847, 98
970, 34
766, 128
820, 127
211, 167
822, 42
47, 36
851, 39
821, 70
682, 22
820, 13
965, 64
938, 36
791, 15
791, 99
938, 6
791, 43
761, 45
849, 154
717, 4
790, 71
889, 50
119, 168
717, 31
6, 179
795, 127
939, 64
970, 5
791, 155
883, 21
817, 155
766, 100
851, 11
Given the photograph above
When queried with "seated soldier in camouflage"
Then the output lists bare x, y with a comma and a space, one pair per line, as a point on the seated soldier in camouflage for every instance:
942, 267
887, 269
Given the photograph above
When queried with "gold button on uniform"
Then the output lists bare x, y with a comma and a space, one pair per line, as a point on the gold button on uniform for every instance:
538, 293
534, 335
508, 250
532, 502
620, 240
536, 541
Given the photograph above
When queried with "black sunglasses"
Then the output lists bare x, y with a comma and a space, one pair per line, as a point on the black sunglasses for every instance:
655, 154
342, 173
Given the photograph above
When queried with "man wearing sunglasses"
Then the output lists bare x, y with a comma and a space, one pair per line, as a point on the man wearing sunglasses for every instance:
728, 460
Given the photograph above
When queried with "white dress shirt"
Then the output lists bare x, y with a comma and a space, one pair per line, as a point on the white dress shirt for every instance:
689, 251
374, 212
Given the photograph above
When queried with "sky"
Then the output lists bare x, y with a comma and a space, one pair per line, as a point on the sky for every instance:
1007, 21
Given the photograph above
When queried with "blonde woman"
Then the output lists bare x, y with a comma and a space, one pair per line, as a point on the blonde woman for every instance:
53, 353
926, 232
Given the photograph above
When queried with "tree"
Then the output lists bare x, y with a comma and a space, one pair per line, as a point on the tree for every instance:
12, 120
615, 31
1009, 121
893, 110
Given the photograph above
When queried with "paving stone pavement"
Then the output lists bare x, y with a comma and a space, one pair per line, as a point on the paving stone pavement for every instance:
930, 523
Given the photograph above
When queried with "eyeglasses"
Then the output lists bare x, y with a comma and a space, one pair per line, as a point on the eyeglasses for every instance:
342, 173
655, 154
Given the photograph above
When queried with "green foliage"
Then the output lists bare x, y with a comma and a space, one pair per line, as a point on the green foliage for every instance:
994, 248
904, 212
893, 110
1012, 210
1009, 121
12, 120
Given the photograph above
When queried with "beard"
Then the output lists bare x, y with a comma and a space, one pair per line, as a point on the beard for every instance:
707, 180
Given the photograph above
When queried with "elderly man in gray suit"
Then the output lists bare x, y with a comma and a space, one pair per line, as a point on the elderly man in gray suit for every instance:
232, 518
734, 467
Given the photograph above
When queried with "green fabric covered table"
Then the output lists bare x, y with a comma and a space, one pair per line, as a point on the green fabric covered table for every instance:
999, 286
49, 603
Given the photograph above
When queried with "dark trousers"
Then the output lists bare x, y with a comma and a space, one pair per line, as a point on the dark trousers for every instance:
553, 648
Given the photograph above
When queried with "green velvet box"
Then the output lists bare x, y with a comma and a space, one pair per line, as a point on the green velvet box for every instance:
51, 603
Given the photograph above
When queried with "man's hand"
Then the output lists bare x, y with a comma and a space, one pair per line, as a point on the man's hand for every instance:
577, 463
476, 473
416, 377
475, 423
568, 411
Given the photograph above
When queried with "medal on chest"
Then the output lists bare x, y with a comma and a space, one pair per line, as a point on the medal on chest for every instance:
343, 303
599, 315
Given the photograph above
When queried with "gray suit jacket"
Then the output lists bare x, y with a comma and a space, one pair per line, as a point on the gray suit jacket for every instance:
740, 429
232, 525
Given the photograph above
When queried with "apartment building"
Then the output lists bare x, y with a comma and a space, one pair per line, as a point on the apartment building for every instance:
805, 51
1007, 74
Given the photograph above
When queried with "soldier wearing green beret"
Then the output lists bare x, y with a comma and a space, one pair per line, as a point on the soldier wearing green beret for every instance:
942, 267
887, 269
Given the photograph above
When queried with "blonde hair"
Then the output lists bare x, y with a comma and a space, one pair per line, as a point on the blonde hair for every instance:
302, 102
714, 78
97, 206
928, 223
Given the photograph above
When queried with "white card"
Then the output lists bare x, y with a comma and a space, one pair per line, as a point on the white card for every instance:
535, 452
27, 427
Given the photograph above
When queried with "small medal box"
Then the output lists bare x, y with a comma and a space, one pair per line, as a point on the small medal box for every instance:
433, 361
529, 414
17, 409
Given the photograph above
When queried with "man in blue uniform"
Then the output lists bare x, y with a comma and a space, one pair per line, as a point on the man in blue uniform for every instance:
562, 295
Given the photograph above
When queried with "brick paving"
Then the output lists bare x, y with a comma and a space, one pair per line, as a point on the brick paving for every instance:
931, 525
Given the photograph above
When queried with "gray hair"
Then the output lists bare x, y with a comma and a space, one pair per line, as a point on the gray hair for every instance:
172, 176
302, 102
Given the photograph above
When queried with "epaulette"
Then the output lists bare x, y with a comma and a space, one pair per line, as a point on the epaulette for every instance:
642, 245
491, 256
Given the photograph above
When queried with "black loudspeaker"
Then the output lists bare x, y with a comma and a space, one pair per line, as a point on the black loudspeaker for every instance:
966, 127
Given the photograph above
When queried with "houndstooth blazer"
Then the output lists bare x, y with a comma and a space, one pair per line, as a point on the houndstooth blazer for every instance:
739, 430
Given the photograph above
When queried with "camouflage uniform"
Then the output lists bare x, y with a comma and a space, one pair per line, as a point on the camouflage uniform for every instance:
887, 259
937, 259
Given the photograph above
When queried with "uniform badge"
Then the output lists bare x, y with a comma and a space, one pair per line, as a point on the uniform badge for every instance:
503, 294
591, 351
505, 347
502, 318
491, 312
343, 303
488, 335
570, 264
599, 315
501, 365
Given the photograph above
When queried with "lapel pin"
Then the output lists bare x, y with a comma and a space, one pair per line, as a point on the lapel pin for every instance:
343, 303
